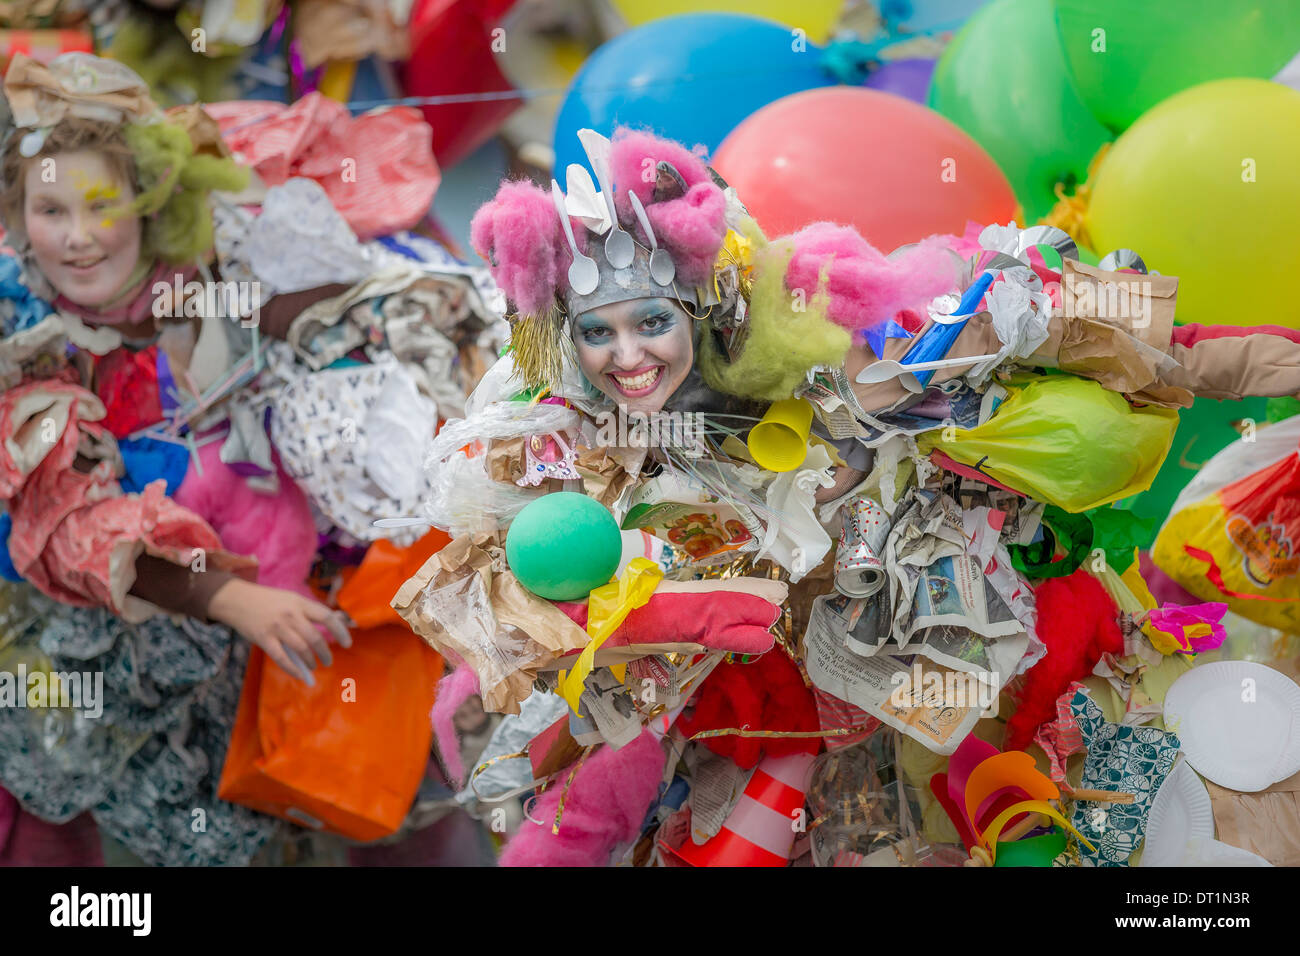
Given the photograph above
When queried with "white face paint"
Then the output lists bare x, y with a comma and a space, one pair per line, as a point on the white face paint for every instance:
637, 352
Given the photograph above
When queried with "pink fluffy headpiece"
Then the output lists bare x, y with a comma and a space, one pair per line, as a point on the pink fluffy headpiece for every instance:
521, 234
665, 196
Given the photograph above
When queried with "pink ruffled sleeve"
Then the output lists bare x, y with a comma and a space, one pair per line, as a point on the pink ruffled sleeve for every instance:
75, 535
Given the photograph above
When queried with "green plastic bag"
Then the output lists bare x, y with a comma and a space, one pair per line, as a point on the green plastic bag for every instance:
1064, 440
1117, 533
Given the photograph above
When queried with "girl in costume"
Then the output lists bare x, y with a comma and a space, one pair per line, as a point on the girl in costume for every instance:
152, 517
650, 292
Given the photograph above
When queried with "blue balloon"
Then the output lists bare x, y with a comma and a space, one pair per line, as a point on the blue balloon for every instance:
692, 78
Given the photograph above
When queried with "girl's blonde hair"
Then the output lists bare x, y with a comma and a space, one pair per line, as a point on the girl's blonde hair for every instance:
171, 181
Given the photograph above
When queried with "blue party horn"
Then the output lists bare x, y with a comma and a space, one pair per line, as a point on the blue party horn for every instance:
938, 339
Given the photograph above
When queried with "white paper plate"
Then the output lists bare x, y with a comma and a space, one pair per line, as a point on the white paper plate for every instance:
1243, 744
1180, 812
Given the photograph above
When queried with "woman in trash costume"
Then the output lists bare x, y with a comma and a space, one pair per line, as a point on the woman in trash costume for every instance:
650, 297
166, 470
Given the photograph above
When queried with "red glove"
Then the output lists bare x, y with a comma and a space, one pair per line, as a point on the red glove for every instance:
719, 615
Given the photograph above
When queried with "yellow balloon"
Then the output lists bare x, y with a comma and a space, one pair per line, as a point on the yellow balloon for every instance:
814, 17
1206, 186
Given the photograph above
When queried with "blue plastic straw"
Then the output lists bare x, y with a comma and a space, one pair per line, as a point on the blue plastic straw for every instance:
939, 339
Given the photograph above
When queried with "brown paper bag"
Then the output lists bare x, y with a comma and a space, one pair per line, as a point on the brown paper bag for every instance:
349, 30
466, 604
505, 460
604, 477
1115, 328
1267, 822
203, 130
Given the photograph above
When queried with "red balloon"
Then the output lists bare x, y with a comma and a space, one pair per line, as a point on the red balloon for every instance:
895, 170
452, 55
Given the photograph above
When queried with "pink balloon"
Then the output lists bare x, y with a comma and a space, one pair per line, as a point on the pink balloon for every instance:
895, 170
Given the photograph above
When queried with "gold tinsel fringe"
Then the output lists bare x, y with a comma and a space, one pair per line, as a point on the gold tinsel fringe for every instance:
1071, 212
537, 342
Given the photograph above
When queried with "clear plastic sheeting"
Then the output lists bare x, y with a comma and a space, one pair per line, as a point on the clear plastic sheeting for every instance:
462, 608
464, 498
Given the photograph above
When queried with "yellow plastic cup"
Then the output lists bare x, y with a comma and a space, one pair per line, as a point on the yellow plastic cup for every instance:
780, 441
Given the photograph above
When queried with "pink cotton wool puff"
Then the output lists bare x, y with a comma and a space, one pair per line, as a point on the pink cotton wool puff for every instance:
863, 287
605, 807
453, 690
520, 234
690, 227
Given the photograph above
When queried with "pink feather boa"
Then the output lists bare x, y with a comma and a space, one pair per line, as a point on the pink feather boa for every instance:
690, 227
453, 690
865, 288
605, 807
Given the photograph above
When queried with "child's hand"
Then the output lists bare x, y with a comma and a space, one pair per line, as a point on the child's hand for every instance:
290, 628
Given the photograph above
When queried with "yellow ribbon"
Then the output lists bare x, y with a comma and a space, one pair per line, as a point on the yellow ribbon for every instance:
607, 608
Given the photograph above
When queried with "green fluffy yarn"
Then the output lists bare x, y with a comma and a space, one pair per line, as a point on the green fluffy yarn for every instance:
784, 341
160, 53
174, 185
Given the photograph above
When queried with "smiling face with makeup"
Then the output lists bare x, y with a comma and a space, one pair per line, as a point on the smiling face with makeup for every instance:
86, 253
637, 352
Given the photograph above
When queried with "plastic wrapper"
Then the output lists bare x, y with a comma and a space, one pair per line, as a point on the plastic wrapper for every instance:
1241, 459
1231, 538
1066, 441
463, 609
463, 497
863, 812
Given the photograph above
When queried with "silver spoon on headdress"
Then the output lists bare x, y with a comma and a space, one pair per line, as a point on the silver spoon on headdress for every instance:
662, 269
620, 250
584, 274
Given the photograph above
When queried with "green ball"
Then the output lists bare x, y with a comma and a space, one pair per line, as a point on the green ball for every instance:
562, 545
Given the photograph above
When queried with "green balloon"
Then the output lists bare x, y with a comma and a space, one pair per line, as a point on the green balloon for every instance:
1203, 430
1004, 81
562, 545
1126, 57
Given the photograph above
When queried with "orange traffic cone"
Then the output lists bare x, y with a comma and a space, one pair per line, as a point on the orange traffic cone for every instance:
761, 828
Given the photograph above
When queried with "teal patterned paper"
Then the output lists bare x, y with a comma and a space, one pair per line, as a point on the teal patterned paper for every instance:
1122, 758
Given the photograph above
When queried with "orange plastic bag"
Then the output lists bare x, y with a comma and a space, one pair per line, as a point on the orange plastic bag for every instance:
343, 757
367, 594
